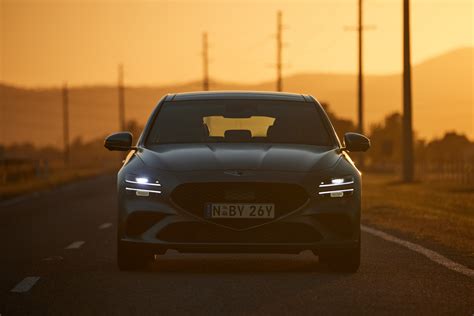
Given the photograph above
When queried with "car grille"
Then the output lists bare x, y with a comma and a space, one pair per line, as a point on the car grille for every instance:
209, 233
193, 198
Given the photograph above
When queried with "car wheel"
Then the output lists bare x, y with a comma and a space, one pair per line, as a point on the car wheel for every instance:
129, 258
344, 260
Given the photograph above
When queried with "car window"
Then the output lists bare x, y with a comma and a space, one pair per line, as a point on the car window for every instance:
230, 121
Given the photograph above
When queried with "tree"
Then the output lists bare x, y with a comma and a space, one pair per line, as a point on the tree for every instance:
341, 126
452, 147
386, 151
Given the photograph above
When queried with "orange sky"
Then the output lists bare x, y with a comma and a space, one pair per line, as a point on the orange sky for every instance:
44, 43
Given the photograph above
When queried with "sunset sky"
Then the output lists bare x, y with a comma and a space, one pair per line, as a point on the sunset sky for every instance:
44, 43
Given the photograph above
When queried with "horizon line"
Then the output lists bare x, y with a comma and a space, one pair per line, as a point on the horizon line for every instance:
221, 81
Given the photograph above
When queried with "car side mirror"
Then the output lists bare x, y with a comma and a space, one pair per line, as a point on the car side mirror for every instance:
121, 141
356, 142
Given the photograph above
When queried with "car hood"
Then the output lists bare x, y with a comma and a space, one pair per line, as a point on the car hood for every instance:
196, 157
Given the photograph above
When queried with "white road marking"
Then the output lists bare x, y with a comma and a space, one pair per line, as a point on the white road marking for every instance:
53, 258
19, 199
430, 254
75, 245
105, 225
25, 285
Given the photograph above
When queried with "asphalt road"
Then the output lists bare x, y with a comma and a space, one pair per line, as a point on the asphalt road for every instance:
66, 237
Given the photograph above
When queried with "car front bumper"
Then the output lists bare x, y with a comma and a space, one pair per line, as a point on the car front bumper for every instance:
156, 226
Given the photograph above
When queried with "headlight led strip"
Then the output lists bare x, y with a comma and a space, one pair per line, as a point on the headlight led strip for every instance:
141, 181
335, 183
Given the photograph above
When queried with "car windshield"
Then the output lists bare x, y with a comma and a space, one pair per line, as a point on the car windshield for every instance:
239, 121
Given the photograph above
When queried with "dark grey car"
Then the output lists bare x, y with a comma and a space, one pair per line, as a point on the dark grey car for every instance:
239, 172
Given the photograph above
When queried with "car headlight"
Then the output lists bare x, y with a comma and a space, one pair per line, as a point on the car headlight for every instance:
142, 185
337, 187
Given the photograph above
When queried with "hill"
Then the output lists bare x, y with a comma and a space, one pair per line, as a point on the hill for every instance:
442, 101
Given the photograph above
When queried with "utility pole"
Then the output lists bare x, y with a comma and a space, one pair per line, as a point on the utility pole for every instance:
65, 94
360, 83
408, 160
360, 73
121, 99
279, 46
205, 62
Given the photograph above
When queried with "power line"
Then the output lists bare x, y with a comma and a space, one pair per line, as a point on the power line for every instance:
205, 62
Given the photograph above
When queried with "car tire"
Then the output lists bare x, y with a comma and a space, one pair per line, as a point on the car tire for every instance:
129, 258
344, 260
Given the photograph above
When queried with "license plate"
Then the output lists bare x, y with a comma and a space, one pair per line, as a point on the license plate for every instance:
240, 210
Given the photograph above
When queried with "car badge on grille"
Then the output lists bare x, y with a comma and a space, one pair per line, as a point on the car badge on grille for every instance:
236, 173
239, 195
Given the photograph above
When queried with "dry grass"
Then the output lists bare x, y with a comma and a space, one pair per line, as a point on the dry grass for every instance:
56, 178
433, 212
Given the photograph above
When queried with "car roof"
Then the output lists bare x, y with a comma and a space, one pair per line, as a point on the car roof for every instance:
238, 95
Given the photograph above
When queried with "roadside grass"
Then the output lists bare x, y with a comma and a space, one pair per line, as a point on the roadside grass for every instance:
56, 178
440, 213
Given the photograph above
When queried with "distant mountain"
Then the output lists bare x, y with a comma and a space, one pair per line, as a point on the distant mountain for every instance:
442, 100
